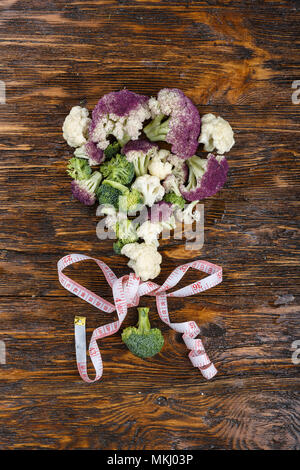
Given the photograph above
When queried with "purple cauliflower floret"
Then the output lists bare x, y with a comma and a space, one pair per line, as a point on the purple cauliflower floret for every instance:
206, 177
95, 154
181, 129
160, 212
139, 152
120, 114
140, 145
85, 190
91, 152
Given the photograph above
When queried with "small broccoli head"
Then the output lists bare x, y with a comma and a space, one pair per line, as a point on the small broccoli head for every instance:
175, 200
79, 169
117, 246
112, 150
126, 231
143, 341
131, 201
118, 169
110, 192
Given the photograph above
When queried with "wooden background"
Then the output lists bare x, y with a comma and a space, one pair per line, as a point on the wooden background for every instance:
234, 58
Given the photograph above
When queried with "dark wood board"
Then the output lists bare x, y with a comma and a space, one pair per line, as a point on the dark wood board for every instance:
235, 58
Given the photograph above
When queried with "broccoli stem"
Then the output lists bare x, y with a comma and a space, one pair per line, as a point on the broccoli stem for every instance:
143, 322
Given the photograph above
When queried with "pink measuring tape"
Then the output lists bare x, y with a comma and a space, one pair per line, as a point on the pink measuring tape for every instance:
127, 291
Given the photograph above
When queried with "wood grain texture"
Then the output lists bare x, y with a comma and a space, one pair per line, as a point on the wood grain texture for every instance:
234, 58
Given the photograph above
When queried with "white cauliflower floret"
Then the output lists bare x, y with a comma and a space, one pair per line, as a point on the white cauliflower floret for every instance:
167, 101
112, 216
158, 165
154, 107
150, 188
149, 232
169, 224
75, 126
216, 133
144, 260
135, 120
187, 215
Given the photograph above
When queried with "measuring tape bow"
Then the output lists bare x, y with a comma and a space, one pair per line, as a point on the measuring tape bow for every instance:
127, 291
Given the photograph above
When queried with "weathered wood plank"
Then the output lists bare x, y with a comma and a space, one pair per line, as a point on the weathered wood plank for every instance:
40, 341
164, 390
235, 58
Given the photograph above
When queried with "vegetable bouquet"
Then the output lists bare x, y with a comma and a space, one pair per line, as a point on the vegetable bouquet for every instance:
118, 163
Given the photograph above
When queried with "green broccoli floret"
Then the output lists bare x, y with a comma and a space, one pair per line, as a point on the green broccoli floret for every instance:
131, 201
143, 341
118, 169
178, 201
79, 169
126, 231
117, 246
109, 192
112, 150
